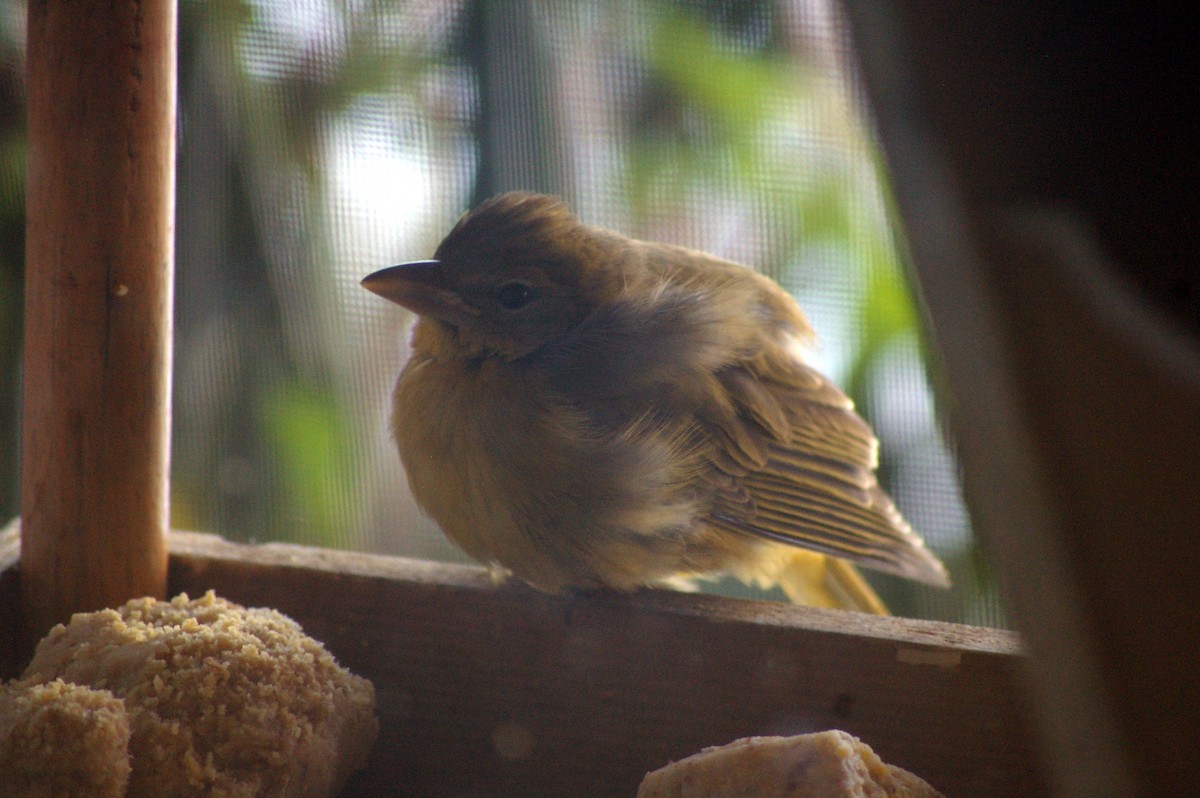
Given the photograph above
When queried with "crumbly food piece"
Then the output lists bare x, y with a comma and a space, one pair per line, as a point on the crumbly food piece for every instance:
223, 701
60, 739
830, 764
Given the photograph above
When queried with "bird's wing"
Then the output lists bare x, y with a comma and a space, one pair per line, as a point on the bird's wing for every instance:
791, 461
782, 454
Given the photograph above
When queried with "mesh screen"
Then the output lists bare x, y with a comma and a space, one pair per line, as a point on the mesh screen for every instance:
321, 140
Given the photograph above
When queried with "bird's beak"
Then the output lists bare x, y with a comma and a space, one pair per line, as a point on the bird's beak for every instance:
420, 286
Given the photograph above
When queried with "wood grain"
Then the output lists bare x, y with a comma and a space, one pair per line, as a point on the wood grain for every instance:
500, 690
100, 208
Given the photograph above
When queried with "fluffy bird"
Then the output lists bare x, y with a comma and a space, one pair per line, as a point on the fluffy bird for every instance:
590, 411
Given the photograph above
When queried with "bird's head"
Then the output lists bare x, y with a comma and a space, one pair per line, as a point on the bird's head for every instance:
514, 274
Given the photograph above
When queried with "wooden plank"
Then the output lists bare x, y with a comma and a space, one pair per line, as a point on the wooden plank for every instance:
500, 690
1059, 272
100, 223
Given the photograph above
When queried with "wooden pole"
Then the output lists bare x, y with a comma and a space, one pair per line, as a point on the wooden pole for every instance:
100, 209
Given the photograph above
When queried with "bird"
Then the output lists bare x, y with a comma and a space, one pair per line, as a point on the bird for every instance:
589, 411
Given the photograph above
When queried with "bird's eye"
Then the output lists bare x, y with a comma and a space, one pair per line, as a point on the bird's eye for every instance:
514, 295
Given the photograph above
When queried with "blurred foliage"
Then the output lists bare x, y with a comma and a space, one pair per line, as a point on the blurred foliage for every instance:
278, 444
307, 432
885, 314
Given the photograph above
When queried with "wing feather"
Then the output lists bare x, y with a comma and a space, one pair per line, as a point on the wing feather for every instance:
810, 477
776, 448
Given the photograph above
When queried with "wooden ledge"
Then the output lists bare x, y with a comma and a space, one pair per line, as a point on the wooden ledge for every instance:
488, 689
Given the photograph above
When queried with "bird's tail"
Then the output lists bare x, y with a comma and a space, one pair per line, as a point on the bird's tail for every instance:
820, 581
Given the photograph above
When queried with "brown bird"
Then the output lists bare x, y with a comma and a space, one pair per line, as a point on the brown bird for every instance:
591, 411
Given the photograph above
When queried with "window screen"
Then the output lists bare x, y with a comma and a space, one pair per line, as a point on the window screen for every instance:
321, 140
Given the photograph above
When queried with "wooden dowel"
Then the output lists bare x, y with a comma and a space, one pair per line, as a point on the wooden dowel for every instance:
97, 369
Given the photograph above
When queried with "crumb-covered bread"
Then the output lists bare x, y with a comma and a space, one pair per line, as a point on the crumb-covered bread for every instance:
59, 739
830, 764
223, 701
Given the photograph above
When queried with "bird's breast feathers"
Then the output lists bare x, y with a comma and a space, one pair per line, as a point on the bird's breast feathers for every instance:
517, 475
